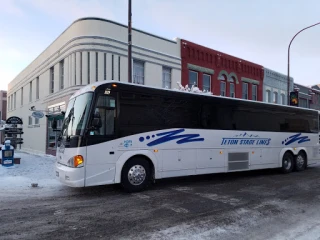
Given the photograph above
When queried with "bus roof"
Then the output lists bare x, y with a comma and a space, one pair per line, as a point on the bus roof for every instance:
91, 88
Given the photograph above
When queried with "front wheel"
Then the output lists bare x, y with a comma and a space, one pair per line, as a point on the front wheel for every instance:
136, 175
287, 162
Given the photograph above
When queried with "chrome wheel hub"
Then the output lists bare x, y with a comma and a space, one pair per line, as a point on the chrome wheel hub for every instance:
136, 175
300, 161
287, 163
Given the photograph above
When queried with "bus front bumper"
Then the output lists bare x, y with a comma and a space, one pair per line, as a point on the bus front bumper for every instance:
72, 177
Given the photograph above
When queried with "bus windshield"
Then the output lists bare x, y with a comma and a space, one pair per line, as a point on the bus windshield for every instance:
76, 116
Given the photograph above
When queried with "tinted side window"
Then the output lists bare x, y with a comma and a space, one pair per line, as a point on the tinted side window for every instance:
105, 109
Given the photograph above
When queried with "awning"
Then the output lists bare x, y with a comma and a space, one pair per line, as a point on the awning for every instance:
57, 117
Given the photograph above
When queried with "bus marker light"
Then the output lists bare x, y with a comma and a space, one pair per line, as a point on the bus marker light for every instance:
114, 85
252, 152
155, 150
78, 160
294, 148
220, 152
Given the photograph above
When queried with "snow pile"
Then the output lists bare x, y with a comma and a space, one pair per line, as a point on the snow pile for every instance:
19, 178
193, 89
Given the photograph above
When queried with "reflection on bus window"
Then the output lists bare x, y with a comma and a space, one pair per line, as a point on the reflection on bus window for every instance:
105, 106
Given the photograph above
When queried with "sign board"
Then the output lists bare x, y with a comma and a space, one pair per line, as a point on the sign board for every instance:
38, 114
11, 130
14, 120
12, 139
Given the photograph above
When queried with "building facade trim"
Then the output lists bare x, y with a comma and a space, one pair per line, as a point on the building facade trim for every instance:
121, 25
59, 57
61, 50
248, 80
229, 76
200, 69
233, 74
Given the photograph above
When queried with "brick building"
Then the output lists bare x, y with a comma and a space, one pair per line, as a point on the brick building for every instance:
220, 73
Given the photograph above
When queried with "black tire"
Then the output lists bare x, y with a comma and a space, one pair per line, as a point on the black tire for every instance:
300, 162
139, 182
287, 162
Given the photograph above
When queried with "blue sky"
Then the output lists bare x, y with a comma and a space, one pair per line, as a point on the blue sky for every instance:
255, 30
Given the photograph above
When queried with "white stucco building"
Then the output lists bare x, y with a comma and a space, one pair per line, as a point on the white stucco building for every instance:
89, 50
275, 87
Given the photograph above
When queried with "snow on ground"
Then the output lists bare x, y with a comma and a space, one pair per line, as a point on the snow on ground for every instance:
38, 169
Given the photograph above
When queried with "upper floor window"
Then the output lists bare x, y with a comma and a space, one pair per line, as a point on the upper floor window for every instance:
223, 80
15, 100
138, 72
21, 96
166, 77
62, 74
222, 88
37, 88
193, 78
232, 90
206, 82
245, 91
303, 103
254, 92
30, 92
51, 80
268, 96
275, 97
283, 99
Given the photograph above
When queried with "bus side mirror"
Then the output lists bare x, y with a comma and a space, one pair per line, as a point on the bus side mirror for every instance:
54, 124
96, 121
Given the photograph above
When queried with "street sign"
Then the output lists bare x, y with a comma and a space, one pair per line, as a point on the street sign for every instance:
38, 114
14, 120
12, 131
13, 139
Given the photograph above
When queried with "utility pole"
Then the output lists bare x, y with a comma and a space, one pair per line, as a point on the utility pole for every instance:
129, 43
288, 76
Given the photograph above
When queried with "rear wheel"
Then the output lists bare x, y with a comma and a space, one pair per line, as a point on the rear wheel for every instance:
136, 175
300, 162
287, 162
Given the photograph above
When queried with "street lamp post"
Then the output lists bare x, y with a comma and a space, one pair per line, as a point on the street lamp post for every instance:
129, 43
289, 58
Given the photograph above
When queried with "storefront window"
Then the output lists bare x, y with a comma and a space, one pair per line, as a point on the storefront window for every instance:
53, 135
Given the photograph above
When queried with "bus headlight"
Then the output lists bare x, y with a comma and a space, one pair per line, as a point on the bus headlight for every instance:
76, 161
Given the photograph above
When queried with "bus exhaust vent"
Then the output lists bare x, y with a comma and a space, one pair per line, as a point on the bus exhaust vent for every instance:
238, 161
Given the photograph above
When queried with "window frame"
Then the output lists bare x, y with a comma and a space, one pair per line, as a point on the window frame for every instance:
166, 71
245, 94
203, 78
197, 79
136, 78
254, 93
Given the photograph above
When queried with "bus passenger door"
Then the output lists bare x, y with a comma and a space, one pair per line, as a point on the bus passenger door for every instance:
101, 155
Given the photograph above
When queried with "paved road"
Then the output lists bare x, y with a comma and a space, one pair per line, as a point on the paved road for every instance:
255, 205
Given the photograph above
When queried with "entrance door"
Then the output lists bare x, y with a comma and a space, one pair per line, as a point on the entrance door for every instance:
102, 129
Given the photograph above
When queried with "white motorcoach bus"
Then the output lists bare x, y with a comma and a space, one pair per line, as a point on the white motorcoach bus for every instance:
116, 132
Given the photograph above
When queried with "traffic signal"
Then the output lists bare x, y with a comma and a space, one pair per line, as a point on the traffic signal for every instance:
294, 99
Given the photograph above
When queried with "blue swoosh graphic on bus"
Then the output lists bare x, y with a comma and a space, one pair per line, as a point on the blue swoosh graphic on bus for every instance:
296, 138
173, 135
